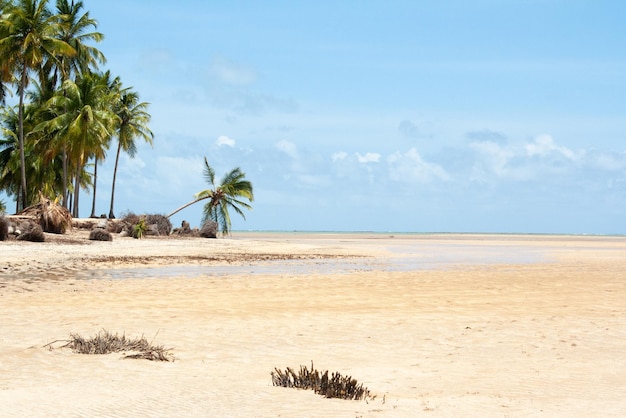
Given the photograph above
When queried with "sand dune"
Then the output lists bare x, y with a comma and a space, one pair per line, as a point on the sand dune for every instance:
433, 325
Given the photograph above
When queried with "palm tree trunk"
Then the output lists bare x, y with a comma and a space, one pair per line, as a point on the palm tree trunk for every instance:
21, 137
117, 158
95, 181
65, 194
186, 205
76, 191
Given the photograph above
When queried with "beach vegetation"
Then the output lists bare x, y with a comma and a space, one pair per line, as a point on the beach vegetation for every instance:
138, 226
100, 234
60, 112
49, 214
333, 386
4, 227
105, 342
132, 123
232, 192
28, 41
140, 229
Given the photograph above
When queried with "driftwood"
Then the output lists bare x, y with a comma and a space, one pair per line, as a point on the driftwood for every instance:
334, 386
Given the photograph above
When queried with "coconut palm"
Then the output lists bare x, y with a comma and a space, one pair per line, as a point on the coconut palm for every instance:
29, 36
6, 75
133, 121
110, 100
75, 31
223, 196
83, 117
40, 172
9, 165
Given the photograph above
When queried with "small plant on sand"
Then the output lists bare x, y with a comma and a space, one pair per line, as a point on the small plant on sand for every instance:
335, 386
105, 343
140, 228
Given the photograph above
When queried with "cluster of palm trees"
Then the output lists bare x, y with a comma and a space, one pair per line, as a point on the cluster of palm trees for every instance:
68, 111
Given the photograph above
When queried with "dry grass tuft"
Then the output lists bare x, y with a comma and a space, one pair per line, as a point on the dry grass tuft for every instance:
105, 343
50, 215
335, 386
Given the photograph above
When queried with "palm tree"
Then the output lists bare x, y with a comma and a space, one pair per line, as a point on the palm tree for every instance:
83, 117
74, 30
41, 172
133, 121
110, 100
223, 196
6, 75
29, 35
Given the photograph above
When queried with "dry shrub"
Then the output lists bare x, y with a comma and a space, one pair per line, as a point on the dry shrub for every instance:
209, 229
99, 234
152, 224
105, 343
130, 218
4, 228
162, 222
31, 232
335, 386
51, 216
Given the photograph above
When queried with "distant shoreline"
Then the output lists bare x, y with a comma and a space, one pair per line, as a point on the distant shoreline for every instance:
361, 234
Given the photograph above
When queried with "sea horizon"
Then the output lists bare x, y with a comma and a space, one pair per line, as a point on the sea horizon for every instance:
422, 233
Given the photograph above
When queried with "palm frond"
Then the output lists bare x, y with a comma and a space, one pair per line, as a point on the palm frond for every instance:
209, 173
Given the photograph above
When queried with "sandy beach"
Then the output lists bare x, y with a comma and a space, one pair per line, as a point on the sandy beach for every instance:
433, 325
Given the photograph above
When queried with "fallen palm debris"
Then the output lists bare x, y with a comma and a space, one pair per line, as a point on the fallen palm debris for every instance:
335, 386
105, 343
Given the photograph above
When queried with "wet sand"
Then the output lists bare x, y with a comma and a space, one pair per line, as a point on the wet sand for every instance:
433, 325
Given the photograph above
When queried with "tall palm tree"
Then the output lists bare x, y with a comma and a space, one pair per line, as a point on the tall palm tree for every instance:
133, 123
29, 35
85, 119
40, 172
223, 196
9, 165
6, 75
110, 100
75, 31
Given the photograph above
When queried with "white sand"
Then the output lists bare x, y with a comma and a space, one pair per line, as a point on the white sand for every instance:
450, 333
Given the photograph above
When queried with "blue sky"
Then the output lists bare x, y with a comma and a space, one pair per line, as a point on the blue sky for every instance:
421, 116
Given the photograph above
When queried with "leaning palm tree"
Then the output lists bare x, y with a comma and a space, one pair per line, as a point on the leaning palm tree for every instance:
28, 36
225, 195
132, 123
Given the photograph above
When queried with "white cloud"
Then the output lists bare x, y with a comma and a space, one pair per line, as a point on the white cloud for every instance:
608, 162
543, 145
232, 73
224, 140
339, 156
411, 167
495, 157
370, 157
288, 148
